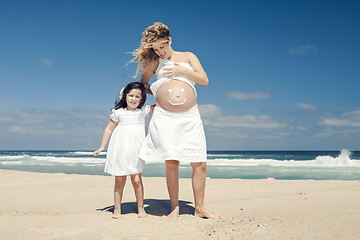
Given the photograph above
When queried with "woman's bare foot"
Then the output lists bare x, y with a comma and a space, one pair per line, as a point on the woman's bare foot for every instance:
116, 215
142, 213
204, 213
174, 213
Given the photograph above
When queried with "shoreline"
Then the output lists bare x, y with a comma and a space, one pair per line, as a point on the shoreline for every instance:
183, 173
222, 165
75, 206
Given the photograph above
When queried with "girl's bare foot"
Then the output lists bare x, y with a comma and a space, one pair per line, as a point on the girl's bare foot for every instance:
116, 215
204, 213
142, 213
174, 213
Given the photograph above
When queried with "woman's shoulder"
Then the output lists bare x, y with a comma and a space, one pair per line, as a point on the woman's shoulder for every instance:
190, 56
185, 57
184, 54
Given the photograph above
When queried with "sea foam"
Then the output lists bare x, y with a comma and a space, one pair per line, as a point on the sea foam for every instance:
342, 160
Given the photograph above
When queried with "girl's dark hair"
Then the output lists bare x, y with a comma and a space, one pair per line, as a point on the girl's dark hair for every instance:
133, 85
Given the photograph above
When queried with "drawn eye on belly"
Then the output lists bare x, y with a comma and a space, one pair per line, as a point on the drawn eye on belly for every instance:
175, 104
170, 90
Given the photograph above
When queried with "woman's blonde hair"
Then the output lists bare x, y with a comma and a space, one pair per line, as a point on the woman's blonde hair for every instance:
156, 33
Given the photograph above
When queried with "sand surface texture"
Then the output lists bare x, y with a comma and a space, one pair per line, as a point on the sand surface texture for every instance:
59, 206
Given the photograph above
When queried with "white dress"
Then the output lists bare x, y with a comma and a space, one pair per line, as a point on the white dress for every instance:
175, 136
122, 156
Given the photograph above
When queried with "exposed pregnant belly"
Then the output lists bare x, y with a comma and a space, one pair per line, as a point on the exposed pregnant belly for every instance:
176, 96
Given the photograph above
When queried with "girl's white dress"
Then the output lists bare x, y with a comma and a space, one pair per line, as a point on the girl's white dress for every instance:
122, 156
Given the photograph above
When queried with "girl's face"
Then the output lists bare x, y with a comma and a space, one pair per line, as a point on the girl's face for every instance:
163, 50
133, 99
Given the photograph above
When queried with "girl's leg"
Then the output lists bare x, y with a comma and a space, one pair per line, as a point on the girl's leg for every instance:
198, 184
139, 194
172, 182
118, 192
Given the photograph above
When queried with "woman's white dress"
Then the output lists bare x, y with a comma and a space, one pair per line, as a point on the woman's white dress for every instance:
122, 156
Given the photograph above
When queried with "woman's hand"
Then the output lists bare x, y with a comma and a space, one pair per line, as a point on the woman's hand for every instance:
172, 72
98, 151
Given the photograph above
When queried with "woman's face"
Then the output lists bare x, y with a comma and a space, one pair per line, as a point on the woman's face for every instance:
163, 50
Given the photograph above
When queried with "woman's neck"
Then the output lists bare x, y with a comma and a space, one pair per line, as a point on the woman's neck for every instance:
171, 55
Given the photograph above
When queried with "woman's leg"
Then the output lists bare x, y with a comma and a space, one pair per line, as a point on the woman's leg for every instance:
139, 193
198, 184
172, 182
118, 192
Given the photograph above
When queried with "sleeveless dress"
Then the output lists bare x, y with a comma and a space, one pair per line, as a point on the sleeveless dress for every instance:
122, 156
174, 135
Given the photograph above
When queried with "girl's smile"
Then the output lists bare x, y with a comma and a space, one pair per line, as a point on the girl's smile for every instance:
133, 99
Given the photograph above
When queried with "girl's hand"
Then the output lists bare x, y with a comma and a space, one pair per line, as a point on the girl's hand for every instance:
99, 150
172, 72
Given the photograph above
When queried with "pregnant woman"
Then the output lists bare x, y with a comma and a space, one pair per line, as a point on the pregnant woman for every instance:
176, 132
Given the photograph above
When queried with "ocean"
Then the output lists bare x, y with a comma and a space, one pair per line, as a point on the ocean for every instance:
290, 165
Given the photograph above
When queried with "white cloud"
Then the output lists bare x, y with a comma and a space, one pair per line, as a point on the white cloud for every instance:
46, 62
82, 128
52, 129
306, 106
247, 96
242, 131
213, 117
301, 128
209, 111
348, 119
52, 123
303, 50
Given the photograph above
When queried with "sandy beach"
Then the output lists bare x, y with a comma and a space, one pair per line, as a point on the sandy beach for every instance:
60, 206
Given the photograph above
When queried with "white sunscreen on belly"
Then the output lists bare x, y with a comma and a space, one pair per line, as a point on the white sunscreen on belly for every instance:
176, 104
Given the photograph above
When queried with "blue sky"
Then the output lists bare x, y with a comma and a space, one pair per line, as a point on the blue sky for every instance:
284, 75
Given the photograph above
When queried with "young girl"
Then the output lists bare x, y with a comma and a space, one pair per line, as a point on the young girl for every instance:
127, 131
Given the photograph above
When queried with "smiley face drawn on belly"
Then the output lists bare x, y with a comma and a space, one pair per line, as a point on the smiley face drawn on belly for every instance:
177, 95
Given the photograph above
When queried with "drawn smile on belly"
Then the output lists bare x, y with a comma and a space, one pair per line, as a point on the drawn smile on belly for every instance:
177, 95
176, 104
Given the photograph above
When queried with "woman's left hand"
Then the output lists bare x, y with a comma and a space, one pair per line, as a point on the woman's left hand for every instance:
172, 72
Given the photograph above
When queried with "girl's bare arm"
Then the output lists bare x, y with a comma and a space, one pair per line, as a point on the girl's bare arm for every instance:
106, 135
